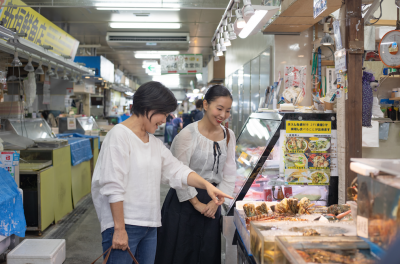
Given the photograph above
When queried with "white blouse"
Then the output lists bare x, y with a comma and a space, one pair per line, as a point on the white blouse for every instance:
130, 170
197, 152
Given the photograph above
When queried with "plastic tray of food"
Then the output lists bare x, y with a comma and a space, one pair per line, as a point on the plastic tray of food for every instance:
34, 164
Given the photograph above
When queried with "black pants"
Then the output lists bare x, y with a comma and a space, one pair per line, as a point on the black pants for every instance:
186, 236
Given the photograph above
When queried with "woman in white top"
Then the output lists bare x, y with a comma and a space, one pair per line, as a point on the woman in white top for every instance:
190, 231
126, 181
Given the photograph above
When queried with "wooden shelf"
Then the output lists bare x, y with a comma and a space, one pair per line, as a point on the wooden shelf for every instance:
297, 16
395, 99
387, 76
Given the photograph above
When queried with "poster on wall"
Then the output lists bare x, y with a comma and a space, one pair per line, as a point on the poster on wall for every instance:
307, 152
8, 161
296, 76
319, 7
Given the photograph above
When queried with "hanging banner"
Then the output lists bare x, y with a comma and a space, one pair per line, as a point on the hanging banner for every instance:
307, 152
39, 30
46, 90
319, 7
182, 64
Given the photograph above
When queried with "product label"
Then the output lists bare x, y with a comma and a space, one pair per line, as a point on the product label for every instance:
362, 226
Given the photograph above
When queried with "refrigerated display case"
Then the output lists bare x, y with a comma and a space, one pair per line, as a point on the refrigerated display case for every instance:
260, 159
33, 128
302, 250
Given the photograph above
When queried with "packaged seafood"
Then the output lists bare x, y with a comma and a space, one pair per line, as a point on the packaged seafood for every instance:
322, 249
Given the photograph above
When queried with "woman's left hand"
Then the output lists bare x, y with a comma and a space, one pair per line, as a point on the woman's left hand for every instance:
211, 209
216, 195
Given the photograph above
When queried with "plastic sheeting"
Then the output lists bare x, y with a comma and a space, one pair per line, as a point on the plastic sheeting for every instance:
80, 150
70, 135
12, 217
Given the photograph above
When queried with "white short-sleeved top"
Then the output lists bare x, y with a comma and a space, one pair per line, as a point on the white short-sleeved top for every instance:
197, 152
131, 171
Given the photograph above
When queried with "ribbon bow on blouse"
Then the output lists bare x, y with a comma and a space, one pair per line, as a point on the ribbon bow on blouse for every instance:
217, 153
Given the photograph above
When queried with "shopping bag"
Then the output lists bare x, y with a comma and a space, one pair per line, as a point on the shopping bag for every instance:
108, 252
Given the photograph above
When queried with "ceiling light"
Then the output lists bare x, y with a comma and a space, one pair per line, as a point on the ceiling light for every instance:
223, 47
137, 9
227, 42
29, 67
49, 71
240, 22
39, 69
55, 76
327, 40
135, 5
73, 79
100, 79
129, 93
232, 34
65, 76
87, 77
219, 51
248, 10
16, 62
145, 25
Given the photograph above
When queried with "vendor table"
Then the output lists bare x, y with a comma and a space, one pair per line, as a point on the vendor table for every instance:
62, 188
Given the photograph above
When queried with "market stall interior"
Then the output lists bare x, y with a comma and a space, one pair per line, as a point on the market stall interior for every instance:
315, 113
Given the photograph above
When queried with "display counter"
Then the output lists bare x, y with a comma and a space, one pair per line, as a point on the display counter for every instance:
62, 179
281, 155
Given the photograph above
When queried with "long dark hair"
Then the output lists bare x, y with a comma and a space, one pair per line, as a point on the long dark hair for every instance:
216, 91
153, 96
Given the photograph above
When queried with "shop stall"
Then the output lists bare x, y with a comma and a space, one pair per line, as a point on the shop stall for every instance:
280, 157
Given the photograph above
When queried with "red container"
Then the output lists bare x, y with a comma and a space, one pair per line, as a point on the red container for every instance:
288, 192
268, 195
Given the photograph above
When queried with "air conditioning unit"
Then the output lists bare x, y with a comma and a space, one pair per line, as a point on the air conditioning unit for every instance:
148, 41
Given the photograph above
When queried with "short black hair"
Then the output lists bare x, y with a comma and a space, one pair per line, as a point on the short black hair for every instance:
199, 103
216, 91
153, 96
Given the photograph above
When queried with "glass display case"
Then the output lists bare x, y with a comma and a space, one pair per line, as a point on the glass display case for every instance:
302, 250
33, 128
378, 201
259, 157
87, 123
263, 235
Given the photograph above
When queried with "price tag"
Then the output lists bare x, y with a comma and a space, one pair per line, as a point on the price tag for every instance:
362, 226
243, 157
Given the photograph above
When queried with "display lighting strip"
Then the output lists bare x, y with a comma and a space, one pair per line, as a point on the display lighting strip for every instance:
249, 20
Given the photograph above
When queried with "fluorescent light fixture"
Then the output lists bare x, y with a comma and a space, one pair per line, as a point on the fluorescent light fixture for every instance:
145, 25
179, 102
153, 54
127, 4
29, 66
255, 23
16, 62
138, 9
87, 77
129, 93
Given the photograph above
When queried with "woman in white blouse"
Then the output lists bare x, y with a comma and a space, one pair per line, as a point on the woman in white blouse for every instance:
190, 231
126, 181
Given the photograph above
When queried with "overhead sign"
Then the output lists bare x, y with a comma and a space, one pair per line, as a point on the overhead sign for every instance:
39, 30
182, 64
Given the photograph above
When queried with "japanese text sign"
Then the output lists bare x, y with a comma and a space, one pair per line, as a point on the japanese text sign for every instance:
308, 127
182, 64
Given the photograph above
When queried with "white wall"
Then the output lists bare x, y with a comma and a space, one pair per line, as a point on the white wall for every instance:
244, 50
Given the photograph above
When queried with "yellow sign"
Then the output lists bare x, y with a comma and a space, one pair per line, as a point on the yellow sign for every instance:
242, 157
39, 30
308, 127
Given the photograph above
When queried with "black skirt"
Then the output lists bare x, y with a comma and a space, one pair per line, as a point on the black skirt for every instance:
186, 236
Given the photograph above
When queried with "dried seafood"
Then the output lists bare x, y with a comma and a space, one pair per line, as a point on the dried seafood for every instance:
258, 218
337, 209
310, 232
249, 210
304, 255
323, 256
304, 206
262, 209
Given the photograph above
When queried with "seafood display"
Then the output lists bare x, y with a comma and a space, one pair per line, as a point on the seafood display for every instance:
296, 144
318, 177
325, 256
321, 144
294, 206
311, 232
